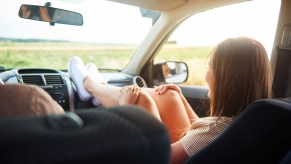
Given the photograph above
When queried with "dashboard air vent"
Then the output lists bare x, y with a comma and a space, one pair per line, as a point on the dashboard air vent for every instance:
140, 82
53, 79
33, 79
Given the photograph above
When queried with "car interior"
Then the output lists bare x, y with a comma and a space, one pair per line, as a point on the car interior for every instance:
128, 134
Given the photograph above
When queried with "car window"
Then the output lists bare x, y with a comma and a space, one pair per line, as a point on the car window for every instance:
194, 39
109, 36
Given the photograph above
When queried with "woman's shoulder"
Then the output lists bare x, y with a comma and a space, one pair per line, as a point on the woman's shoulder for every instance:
219, 123
223, 118
215, 120
204, 131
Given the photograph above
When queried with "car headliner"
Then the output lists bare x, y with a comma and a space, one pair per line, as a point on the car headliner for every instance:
168, 5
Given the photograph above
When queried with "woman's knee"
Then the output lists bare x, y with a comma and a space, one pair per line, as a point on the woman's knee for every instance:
172, 94
144, 97
161, 99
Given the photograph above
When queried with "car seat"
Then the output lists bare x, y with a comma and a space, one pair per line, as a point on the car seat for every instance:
260, 134
125, 134
287, 158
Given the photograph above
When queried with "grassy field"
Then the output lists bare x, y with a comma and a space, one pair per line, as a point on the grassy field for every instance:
56, 54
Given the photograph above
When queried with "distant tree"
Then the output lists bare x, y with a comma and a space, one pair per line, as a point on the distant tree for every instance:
172, 42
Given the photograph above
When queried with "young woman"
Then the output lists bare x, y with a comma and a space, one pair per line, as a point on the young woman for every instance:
239, 73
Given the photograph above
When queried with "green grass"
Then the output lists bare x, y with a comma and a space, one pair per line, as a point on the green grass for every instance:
59, 59
56, 55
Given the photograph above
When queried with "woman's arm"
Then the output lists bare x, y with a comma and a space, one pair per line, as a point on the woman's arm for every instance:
178, 154
128, 95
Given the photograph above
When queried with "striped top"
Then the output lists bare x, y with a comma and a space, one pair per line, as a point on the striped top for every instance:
204, 131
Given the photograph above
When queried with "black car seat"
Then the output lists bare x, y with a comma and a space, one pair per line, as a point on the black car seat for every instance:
124, 134
261, 134
287, 158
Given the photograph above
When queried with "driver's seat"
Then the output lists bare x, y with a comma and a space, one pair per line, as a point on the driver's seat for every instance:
260, 134
125, 134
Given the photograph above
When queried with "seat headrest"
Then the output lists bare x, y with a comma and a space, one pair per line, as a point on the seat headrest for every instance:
124, 134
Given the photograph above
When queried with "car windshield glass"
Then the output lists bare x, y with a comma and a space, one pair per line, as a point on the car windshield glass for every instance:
109, 36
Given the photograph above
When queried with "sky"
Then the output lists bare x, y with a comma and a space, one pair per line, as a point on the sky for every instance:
217, 24
103, 22
206, 28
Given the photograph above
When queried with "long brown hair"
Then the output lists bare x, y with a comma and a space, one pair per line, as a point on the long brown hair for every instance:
241, 75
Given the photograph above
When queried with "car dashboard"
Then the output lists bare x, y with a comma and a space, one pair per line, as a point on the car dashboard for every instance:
59, 85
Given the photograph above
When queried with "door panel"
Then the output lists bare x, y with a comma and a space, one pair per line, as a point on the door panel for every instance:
197, 96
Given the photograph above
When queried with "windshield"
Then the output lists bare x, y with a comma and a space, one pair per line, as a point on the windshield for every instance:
109, 36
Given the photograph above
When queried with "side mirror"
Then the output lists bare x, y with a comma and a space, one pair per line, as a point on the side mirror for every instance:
50, 14
170, 72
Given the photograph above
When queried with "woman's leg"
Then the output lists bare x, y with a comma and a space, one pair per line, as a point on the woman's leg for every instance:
170, 107
106, 94
172, 112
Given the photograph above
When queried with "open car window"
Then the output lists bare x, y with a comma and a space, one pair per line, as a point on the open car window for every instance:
194, 39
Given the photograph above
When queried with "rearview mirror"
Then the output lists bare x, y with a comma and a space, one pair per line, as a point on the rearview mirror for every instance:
154, 15
50, 14
170, 72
